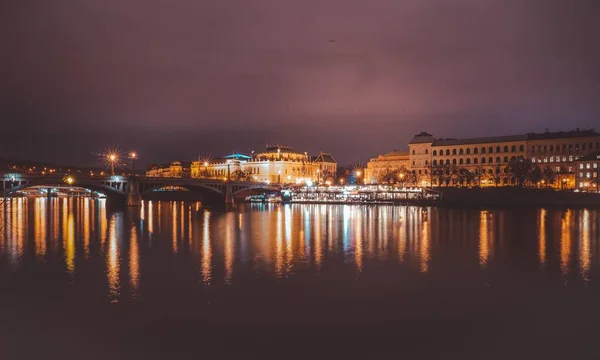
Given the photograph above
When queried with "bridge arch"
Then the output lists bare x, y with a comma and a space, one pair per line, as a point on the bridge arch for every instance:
117, 191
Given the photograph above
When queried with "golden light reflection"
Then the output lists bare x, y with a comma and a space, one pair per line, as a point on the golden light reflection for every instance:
103, 221
358, 243
424, 248
318, 244
229, 255
174, 227
112, 262
289, 253
584, 252
206, 250
150, 218
134, 263
565, 242
69, 242
402, 236
55, 221
20, 227
40, 227
279, 245
484, 244
542, 237
86, 227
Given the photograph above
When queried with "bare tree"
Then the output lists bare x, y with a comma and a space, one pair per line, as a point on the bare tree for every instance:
388, 176
521, 169
240, 175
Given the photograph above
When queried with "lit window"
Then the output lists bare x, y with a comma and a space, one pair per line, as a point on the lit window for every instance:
532, 159
570, 158
588, 175
564, 158
551, 158
580, 174
587, 166
595, 165
545, 160
581, 166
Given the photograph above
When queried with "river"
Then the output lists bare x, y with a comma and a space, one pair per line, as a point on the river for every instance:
79, 280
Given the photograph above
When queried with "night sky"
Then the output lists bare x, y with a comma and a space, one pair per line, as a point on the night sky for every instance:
178, 78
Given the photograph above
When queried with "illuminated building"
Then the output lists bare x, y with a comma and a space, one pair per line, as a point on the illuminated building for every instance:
277, 164
489, 158
586, 172
175, 169
395, 161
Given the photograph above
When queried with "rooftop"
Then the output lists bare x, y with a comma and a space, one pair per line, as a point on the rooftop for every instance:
595, 156
324, 157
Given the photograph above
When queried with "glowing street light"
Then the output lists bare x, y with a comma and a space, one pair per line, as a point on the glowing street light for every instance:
133, 156
70, 180
112, 158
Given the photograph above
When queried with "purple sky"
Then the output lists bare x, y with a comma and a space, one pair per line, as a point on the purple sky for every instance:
177, 78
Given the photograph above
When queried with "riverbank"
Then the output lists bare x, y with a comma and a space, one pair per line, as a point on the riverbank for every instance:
513, 196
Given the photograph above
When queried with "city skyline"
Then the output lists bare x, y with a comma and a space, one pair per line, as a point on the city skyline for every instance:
352, 79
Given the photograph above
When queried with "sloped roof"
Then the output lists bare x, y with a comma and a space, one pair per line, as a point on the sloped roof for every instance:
324, 157
422, 138
397, 153
481, 140
563, 135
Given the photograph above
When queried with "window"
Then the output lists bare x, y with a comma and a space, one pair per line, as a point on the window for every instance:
434, 162
583, 147
413, 153
483, 160
461, 151
475, 161
564, 158
491, 160
498, 159
483, 150
587, 175
419, 172
551, 158
460, 161
598, 145
413, 163
505, 148
595, 165
581, 166
475, 150
577, 147
453, 161
545, 148
426, 151
580, 174
434, 152
468, 161
426, 162
447, 162
513, 148
468, 151
506, 159
490, 149
587, 166
521, 148
557, 147
570, 147
533, 159
453, 151
447, 151
533, 149
551, 147
539, 149
571, 158
497, 149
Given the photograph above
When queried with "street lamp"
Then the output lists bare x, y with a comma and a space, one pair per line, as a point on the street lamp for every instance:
133, 156
70, 180
112, 158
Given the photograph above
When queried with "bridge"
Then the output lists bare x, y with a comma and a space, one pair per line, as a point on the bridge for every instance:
131, 189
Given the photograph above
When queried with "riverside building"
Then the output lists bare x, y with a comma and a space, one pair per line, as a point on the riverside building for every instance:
490, 157
277, 165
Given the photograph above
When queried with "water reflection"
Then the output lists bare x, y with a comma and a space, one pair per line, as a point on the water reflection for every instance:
284, 241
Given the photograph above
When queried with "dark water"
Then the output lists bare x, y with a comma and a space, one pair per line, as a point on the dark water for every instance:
172, 281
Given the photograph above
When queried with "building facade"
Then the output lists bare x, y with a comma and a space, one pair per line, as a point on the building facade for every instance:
489, 158
175, 169
586, 172
277, 165
379, 167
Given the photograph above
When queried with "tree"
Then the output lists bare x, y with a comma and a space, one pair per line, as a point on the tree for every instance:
466, 177
411, 177
520, 169
439, 174
535, 176
497, 175
548, 176
388, 176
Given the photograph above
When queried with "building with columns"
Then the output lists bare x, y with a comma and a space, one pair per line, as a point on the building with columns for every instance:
276, 165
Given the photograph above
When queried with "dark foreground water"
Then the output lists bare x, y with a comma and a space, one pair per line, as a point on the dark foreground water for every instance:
174, 281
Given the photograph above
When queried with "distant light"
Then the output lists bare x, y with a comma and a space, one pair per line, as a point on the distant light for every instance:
358, 173
289, 177
327, 182
70, 180
309, 182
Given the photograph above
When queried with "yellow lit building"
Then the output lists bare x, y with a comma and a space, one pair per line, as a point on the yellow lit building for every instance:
277, 164
175, 169
393, 162
586, 172
489, 157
